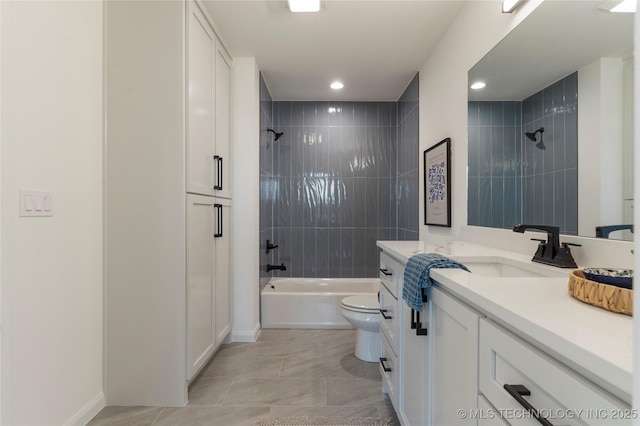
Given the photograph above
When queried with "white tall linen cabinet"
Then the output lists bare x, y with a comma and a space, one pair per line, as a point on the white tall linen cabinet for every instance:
168, 199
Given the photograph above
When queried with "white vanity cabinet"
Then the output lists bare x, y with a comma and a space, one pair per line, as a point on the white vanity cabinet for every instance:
390, 272
513, 373
479, 339
208, 108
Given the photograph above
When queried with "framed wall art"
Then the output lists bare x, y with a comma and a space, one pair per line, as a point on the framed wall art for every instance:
437, 184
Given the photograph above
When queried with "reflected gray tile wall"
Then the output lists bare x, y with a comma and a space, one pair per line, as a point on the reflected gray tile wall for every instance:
552, 172
407, 213
494, 163
333, 183
512, 181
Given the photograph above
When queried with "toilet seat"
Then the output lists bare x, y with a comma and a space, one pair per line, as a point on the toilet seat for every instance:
367, 303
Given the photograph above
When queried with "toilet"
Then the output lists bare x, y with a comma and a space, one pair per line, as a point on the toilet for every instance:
362, 312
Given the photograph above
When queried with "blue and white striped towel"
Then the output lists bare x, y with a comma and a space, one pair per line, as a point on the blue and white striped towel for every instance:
416, 275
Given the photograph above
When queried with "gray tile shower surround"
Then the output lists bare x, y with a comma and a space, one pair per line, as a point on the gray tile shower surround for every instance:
343, 175
285, 373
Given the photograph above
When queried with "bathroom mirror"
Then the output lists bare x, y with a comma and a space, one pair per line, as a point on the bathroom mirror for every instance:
564, 77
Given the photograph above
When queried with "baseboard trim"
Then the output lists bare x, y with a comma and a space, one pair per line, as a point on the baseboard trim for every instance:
86, 413
246, 336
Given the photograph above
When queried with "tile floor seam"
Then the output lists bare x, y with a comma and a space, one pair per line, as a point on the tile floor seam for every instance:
157, 416
281, 367
326, 399
226, 393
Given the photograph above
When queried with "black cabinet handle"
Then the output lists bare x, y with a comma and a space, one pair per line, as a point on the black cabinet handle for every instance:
517, 392
219, 173
219, 233
382, 312
416, 324
419, 330
384, 367
384, 271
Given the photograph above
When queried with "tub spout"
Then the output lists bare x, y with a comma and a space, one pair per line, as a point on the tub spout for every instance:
280, 267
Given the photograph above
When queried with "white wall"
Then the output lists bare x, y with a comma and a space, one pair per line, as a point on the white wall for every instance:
479, 26
51, 124
246, 200
600, 112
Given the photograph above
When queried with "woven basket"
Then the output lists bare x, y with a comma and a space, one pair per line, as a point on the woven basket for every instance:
605, 296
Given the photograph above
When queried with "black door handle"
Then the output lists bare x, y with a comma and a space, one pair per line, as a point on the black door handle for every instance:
384, 367
382, 312
219, 233
517, 392
219, 172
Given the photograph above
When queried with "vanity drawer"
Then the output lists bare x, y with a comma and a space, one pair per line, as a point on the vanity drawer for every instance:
558, 393
389, 317
487, 414
388, 273
389, 369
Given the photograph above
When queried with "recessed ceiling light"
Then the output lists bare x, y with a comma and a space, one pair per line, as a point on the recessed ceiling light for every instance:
628, 6
304, 5
336, 85
478, 85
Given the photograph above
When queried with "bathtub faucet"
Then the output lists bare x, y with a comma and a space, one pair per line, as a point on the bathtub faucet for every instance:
280, 267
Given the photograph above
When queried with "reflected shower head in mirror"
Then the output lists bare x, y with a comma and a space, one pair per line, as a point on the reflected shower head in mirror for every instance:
532, 137
277, 134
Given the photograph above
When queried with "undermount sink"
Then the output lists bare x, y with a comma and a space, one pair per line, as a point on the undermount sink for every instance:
504, 267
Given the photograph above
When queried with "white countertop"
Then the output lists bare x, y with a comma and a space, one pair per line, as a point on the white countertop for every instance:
592, 341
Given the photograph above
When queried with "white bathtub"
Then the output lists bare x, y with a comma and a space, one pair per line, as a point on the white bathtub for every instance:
310, 302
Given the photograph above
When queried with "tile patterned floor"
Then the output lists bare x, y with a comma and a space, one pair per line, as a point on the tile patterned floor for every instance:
285, 373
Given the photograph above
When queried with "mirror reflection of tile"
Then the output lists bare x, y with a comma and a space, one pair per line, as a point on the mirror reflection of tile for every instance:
511, 180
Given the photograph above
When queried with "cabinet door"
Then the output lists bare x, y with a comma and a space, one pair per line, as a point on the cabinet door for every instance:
414, 353
222, 153
454, 359
222, 269
201, 58
200, 292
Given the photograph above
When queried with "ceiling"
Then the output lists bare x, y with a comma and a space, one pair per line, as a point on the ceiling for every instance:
556, 39
374, 47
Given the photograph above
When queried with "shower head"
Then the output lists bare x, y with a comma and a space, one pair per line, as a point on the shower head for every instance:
277, 134
532, 137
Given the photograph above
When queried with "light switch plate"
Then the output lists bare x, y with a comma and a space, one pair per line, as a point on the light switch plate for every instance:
36, 203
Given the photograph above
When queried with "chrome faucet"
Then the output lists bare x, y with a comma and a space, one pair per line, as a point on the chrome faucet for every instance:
550, 252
